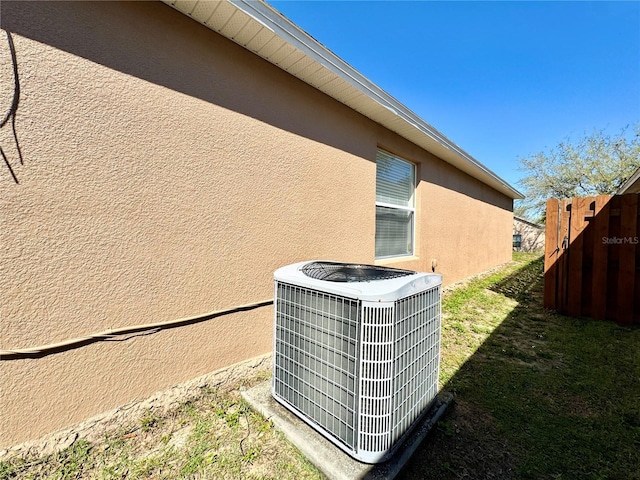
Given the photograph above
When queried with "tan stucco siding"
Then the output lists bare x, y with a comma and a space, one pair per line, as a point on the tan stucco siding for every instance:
167, 173
532, 237
461, 223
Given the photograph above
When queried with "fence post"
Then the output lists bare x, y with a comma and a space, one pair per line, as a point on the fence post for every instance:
563, 256
551, 254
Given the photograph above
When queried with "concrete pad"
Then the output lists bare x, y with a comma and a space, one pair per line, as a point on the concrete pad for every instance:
329, 459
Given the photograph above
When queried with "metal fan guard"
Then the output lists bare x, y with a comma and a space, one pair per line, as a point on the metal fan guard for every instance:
351, 272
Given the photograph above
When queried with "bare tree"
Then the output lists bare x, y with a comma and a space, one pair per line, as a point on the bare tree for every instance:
595, 164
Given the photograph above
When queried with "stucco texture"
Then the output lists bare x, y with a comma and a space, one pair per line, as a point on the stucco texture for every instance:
167, 173
532, 237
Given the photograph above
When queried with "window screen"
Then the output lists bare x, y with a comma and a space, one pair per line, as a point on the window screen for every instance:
517, 241
395, 212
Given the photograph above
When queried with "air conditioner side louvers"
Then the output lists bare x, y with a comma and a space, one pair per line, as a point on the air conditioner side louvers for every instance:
360, 371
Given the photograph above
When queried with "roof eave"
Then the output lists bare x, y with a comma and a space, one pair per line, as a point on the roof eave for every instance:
528, 222
632, 185
344, 78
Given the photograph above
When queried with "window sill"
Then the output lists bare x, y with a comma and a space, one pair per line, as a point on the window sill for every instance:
390, 260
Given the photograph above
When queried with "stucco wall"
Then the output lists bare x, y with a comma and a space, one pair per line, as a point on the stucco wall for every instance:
532, 237
462, 223
167, 172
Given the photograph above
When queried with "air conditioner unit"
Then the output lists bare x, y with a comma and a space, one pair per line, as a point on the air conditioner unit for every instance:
356, 351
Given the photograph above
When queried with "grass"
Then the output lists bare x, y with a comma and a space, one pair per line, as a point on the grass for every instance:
537, 396
216, 436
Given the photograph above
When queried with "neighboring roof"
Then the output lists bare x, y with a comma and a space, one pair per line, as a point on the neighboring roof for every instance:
261, 29
528, 222
632, 185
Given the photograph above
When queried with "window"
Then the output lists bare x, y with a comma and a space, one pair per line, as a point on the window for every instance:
395, 205
517, 241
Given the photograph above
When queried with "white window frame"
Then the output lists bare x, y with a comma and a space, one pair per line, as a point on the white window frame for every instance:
411, 208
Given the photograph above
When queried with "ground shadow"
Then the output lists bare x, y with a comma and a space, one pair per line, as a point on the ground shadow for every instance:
10, 117
545, 396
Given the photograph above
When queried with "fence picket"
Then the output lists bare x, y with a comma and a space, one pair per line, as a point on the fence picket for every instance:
627, 258
577, 224
600, 258
592, 257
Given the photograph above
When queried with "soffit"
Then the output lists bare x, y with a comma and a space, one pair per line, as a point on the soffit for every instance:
261, 29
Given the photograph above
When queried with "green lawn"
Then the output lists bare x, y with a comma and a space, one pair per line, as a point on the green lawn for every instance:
536, 396
215, 436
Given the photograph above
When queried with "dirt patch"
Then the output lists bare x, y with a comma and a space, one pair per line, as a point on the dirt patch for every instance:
465, 281
159, 404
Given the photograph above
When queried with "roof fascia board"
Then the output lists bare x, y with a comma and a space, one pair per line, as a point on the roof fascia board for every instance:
629, 183
528, 222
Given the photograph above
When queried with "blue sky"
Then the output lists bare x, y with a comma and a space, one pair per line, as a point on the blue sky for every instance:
503, 80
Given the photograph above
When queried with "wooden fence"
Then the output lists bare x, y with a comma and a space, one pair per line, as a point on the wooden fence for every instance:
592, 257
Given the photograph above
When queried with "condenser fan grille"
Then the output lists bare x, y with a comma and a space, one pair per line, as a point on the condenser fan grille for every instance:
351, 272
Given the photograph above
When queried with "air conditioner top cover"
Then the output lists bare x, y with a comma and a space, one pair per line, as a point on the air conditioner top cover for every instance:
359, 281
